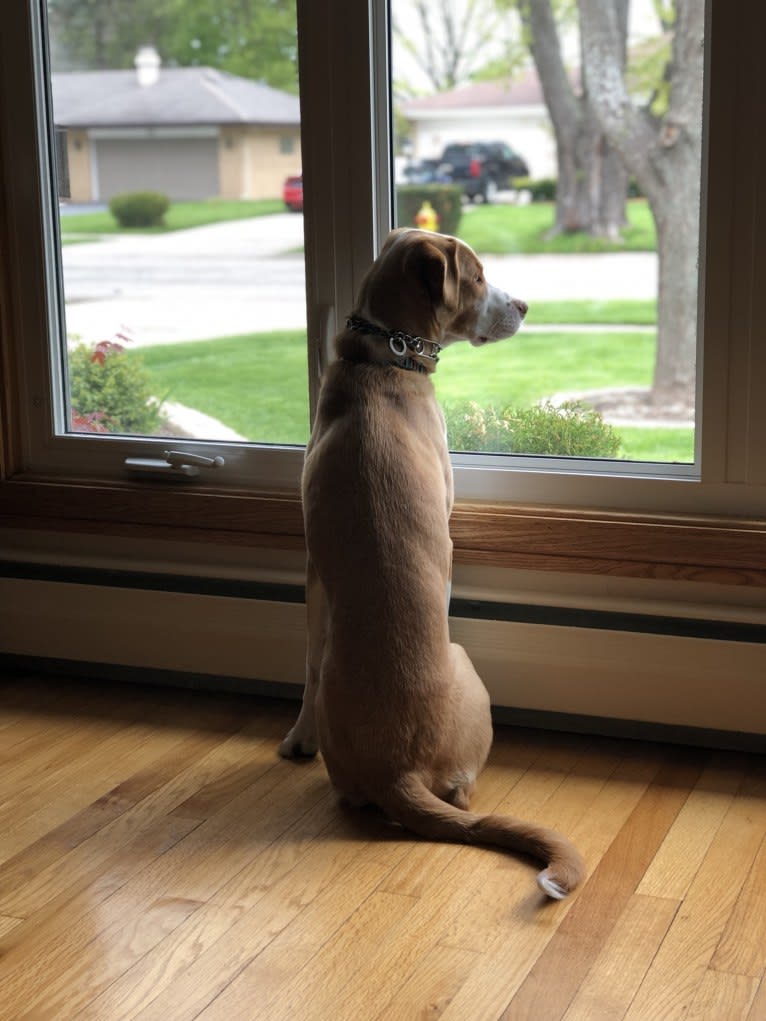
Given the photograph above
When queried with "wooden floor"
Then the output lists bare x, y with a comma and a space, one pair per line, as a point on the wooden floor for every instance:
158, 861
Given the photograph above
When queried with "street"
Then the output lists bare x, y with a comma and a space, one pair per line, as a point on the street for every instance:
248, 276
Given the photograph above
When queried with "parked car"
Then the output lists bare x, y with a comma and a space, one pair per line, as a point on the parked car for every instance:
292, 193
482, 168
425, 172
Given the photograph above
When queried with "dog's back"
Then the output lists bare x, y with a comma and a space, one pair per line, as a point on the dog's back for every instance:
376, 497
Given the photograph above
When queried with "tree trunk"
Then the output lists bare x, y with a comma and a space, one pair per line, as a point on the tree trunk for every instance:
664, 156
676, 216
591, 184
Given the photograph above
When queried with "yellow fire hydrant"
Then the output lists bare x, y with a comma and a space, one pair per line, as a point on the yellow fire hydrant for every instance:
426, 217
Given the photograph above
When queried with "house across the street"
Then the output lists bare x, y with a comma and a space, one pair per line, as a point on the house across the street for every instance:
190, 132
511, 111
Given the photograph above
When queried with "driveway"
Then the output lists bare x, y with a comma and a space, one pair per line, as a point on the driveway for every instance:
248, 275
211, 281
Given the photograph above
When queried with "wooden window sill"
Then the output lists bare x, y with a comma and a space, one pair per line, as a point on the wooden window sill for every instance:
693, 548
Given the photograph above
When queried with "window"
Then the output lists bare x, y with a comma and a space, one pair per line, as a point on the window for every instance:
181, 265
350, 179
566, 218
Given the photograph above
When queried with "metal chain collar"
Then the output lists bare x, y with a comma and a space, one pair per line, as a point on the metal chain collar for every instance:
399, 342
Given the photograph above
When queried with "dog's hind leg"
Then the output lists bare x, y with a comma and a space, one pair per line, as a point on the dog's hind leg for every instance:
301, 740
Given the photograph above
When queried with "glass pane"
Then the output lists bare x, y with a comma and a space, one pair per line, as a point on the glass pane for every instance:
562, 141
180, 198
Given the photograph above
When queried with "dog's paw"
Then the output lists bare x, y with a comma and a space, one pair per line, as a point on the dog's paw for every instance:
295, 746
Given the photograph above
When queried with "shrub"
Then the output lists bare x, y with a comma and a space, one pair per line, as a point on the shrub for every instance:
571, 429
542, 189
445, 198
110, 392
139, 208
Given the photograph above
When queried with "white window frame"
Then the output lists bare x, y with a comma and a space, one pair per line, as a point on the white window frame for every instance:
344, 70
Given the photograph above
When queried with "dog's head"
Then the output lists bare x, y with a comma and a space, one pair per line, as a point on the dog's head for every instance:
433, 286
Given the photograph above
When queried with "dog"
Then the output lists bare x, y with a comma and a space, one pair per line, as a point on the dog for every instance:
398, 712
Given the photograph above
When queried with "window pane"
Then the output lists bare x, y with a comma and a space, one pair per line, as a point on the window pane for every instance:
179, 172
563, 142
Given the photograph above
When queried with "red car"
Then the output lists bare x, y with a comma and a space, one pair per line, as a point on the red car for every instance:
292, 193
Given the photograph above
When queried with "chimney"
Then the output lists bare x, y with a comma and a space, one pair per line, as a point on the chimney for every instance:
147, 62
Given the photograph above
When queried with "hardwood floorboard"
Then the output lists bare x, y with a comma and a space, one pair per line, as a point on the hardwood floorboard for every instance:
162, 863
742, 949
689, 838
758, 1006
623, 960
687, 950
163, 760
556, 976
722, 996
499, 971
8, 924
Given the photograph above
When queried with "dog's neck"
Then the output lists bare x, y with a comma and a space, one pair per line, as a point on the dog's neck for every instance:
363, 341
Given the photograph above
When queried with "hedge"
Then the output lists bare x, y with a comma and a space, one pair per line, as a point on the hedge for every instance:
447, 200
139, 208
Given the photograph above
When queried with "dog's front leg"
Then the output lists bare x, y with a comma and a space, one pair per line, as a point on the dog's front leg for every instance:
301, 740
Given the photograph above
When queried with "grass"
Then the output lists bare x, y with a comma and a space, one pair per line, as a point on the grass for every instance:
491, 230
669, 446
180, 216
508, 230
532, 366
257, 384
621, 312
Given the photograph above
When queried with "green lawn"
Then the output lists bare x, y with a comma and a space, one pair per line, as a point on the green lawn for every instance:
620, 312
506, 230
256, 384
532, 366
490, 230
666, 445
180, 216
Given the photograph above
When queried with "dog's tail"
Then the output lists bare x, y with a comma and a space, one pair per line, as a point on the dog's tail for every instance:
411, 804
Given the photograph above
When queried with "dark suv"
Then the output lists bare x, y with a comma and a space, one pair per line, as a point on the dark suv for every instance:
482, 168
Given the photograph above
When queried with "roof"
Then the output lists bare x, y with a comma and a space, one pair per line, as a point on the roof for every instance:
181, 95
524, 90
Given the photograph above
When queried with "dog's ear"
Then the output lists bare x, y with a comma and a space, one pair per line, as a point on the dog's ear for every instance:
438, 269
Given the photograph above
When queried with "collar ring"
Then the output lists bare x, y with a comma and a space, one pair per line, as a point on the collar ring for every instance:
398, 344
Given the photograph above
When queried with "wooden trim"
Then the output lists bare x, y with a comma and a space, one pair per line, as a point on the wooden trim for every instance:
716, 549
723, 550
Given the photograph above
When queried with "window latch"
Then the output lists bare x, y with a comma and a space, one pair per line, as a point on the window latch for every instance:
177, 464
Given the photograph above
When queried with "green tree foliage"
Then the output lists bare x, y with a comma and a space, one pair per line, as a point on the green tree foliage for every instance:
104, 34
252, 38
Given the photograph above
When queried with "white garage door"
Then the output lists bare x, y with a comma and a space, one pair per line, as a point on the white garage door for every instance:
181, 168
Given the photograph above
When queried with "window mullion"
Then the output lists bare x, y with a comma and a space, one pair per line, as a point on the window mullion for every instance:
336, 116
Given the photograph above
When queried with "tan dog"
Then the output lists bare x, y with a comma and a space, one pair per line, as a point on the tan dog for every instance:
398, 712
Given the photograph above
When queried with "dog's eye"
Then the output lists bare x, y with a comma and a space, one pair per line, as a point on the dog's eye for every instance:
479, 279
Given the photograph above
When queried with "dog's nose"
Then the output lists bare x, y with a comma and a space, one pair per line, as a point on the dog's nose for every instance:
520, 305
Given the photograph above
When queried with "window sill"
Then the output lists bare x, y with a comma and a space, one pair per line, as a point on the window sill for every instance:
722, 550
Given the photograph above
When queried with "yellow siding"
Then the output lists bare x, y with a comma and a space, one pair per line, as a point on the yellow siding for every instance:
266, 165
231, 163
78, 154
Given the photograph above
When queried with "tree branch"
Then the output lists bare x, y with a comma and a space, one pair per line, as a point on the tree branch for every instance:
687, 69
627, 129
563, 106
